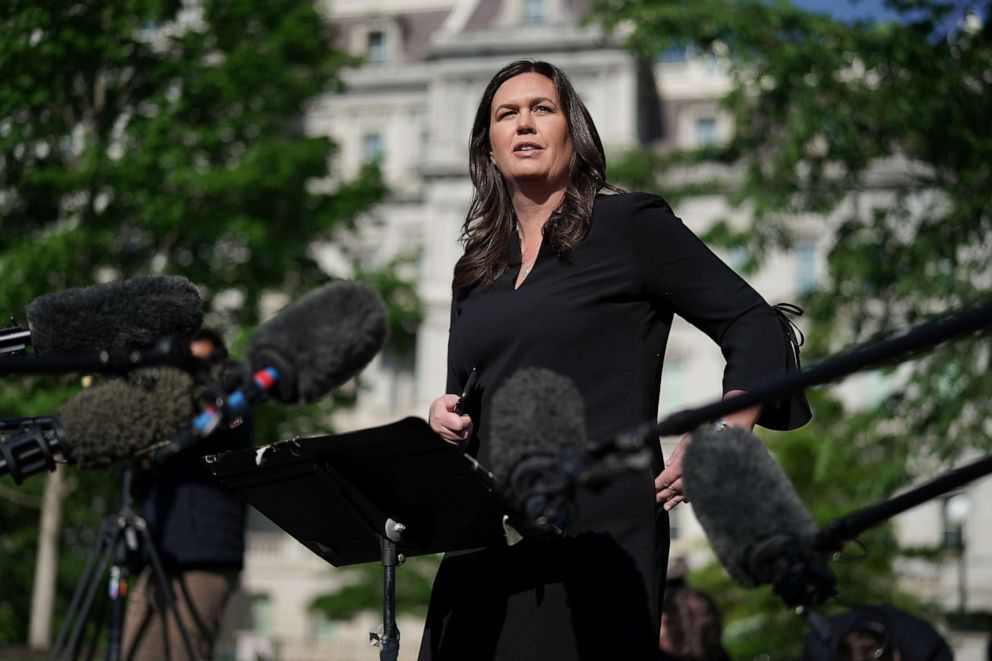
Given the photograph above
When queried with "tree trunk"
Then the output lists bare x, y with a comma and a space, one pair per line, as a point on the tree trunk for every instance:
46, 569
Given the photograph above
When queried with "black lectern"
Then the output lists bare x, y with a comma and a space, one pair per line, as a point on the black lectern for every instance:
378, 494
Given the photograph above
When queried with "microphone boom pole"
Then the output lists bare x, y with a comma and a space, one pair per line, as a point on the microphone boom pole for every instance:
924, 336
831, 539
629, 449
171, 352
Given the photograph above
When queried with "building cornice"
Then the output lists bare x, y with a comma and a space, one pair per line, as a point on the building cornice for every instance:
521, 40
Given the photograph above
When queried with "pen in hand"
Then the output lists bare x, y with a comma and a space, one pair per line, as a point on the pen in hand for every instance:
466, 391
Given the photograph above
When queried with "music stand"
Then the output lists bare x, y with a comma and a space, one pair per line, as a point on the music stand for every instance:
379, 494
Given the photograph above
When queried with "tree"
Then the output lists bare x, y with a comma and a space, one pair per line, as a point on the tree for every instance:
363, 591
822, 110
145, 135
881, 130
160, 136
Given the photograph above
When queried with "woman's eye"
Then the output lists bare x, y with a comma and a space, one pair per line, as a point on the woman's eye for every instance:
543, 109
504, 115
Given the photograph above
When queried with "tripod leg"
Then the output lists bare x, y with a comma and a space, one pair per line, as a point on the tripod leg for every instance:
82, 598
117, 591
166, 587
95, 633
95, 552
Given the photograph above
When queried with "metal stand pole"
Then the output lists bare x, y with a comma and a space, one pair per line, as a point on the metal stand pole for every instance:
387, 638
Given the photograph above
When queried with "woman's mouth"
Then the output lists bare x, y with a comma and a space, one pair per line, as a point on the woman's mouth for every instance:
526, 148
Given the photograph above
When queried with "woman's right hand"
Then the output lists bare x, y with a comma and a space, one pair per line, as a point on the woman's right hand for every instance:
455, 429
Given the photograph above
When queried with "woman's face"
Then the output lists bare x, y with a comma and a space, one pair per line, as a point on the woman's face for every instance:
528, 133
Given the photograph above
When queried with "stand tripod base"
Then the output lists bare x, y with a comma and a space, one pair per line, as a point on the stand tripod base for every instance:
122, 537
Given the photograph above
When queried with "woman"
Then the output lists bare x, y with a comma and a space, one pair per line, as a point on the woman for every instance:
559, 276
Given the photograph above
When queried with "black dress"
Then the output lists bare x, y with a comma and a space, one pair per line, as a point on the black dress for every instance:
599, 315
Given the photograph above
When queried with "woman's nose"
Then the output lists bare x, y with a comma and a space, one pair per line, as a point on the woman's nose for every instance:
525, 123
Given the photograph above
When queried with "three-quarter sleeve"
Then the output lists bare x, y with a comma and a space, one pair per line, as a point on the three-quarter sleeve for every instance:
682, 275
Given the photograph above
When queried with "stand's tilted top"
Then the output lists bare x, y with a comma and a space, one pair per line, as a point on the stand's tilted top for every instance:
335, 493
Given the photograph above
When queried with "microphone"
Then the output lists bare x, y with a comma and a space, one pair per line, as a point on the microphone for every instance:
758, 528
103, 424
299, 355
537, 442
319, 342
131, 313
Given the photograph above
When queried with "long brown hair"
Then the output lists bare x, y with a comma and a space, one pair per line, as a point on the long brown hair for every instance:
490, 220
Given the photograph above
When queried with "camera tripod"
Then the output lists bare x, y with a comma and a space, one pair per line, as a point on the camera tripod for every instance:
123, 537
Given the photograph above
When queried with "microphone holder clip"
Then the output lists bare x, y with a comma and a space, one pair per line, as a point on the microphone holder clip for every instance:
14, 339
799, 576
30, 451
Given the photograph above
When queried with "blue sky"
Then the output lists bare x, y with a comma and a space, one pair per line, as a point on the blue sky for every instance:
847, 10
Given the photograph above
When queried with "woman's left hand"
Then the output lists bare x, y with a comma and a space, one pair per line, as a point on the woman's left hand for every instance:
668, 484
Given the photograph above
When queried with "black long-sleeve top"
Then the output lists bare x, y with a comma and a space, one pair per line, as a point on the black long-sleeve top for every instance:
599, 315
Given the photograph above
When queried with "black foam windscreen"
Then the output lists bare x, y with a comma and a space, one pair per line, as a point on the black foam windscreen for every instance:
743, 499
320, 341
535, 411
131, 313
117, 419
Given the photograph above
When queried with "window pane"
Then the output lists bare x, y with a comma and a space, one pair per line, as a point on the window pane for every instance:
672, 384
535, 12
261, 613
376, 51
371, 148
705, 131
805, 267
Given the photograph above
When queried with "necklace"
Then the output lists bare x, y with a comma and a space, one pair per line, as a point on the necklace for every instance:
525, 268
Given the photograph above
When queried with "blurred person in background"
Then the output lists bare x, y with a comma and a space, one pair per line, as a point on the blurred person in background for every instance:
691, 624
198, 528
880, 632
